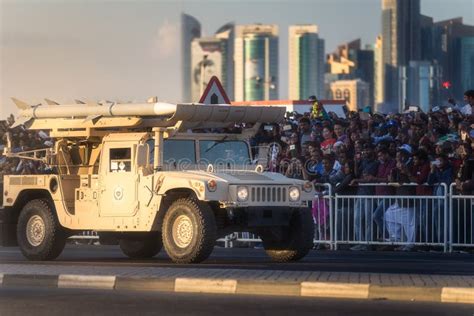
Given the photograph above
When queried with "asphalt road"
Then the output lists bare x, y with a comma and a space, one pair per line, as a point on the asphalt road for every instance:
31, 301
246, 258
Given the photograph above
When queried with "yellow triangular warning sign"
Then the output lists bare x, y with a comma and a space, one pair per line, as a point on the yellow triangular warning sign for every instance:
214, 93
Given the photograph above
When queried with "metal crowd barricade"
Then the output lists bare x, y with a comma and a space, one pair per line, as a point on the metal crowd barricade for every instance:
461, 219
409, 220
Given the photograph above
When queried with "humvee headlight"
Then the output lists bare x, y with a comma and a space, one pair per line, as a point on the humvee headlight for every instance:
211, 185
308, 186
294, 194
242, 194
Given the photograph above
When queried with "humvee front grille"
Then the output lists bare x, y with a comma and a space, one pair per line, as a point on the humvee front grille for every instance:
268, 194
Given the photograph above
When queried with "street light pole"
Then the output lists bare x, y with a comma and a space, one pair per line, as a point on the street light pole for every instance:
203, 66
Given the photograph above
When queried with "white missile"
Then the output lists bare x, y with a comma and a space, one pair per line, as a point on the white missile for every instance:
105, 110
147, 114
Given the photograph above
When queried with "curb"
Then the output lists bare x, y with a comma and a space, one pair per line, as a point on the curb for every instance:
67, 281
246, 287
336, 290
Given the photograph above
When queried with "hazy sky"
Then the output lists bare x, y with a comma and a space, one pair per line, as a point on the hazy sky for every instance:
129, 50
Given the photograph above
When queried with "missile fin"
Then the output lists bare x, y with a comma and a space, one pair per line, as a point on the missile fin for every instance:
79, 102
104, 102
21, 121
93, 118
152, 100
20, 104
51, 102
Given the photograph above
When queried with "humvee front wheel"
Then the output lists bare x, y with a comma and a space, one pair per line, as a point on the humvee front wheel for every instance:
39, 235
189, 231
142, 247
290, 243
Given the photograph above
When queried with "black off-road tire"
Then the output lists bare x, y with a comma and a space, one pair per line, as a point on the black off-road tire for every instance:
51, 246
203, 228
293, 242
142, 247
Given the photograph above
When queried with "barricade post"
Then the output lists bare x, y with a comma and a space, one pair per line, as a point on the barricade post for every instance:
322, 209
461, 226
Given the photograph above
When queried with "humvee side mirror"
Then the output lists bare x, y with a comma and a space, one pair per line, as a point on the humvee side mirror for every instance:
142, 155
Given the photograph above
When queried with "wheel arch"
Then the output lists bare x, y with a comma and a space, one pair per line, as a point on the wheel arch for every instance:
28, 195
168, 198
48, 237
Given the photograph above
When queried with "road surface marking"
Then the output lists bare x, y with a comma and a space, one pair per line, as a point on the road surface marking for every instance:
327, 289
457, 295
86, 281
205, 285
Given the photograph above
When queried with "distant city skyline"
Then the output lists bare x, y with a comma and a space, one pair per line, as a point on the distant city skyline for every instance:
130, 50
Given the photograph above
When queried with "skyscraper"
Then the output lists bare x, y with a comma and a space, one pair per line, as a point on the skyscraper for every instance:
378, 73
427, 42
422, 84
365, 70
401, 43
190, 29
350, 61
213, 56
306, 62
355, 92
227, 34
256, 62
448, 36
466, 45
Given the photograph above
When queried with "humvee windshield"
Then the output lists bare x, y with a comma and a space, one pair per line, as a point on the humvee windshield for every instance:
177, 152
218, 152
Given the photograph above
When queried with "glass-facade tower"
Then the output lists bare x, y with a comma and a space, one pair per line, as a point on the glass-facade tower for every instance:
467, 62
256, 62
306, 62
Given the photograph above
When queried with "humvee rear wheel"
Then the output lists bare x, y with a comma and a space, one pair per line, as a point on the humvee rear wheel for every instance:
140, 248
189, 231
39, 235
290, 243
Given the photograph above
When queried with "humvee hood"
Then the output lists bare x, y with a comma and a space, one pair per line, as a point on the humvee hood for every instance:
246, 177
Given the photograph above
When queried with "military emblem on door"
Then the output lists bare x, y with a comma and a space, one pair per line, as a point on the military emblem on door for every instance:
118, 193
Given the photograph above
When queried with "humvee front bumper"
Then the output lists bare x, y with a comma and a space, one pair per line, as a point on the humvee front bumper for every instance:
268, 216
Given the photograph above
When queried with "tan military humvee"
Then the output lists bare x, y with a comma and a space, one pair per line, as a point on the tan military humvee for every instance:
152, 175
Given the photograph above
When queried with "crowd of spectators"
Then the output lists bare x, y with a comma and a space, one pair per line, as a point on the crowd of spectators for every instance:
362, 148
22, 140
